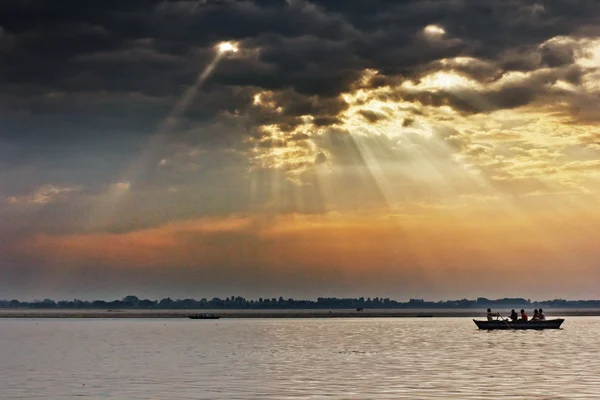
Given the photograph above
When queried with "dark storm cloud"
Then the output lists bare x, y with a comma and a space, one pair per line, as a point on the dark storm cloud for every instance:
557, 54
315, 48
295, 105
90, 77
468, 102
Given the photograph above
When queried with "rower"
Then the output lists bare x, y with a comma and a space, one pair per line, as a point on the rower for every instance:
513, 315
491, 315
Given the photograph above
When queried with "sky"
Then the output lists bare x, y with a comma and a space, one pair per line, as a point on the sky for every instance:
405, 149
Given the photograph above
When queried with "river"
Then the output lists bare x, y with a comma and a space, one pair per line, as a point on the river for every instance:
345, 358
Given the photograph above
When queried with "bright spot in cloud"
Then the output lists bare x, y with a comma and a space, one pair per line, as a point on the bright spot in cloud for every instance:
228, 47
442, 80
434, 30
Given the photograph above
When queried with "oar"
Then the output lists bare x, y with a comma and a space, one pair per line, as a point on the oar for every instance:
505, 321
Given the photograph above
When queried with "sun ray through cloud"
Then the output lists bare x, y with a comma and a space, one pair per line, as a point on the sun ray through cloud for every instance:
156, 142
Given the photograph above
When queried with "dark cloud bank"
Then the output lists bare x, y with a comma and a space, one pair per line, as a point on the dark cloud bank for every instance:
72, 70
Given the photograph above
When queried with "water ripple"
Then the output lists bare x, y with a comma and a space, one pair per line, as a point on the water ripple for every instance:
445, 358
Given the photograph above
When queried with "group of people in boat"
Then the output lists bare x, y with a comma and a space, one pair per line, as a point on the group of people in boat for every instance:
538, 315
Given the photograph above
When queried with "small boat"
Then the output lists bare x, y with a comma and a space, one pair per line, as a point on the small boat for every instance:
507, 325
203, 316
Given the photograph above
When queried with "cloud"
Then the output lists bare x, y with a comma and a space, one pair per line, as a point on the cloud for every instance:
43, 195
305, 54
590, 165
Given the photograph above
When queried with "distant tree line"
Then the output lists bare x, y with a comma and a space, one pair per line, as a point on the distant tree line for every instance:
237, 302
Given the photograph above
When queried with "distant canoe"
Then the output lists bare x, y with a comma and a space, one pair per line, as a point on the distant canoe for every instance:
203, 316
507, 325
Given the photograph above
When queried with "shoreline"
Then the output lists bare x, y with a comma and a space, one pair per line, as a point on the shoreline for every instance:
224, 314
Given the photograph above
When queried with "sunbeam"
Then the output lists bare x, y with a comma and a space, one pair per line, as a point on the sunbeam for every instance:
104, 214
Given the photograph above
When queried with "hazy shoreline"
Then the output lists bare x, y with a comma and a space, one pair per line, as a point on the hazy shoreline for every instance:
300, 313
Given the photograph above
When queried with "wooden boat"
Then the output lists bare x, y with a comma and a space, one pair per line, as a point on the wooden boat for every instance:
506, 325
203, 316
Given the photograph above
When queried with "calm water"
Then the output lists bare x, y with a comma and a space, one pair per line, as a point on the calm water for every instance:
445, 358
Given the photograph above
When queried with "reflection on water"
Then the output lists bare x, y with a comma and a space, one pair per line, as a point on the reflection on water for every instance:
445, 358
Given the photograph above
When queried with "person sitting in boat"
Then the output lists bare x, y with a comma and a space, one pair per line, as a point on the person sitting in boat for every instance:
541, 315
524, 317
536, 315
513, 315
491, 315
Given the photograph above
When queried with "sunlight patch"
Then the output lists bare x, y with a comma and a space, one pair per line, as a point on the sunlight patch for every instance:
442, 81
434, 31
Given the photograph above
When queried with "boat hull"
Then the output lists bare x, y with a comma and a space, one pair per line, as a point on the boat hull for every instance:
520, 325
203, 317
